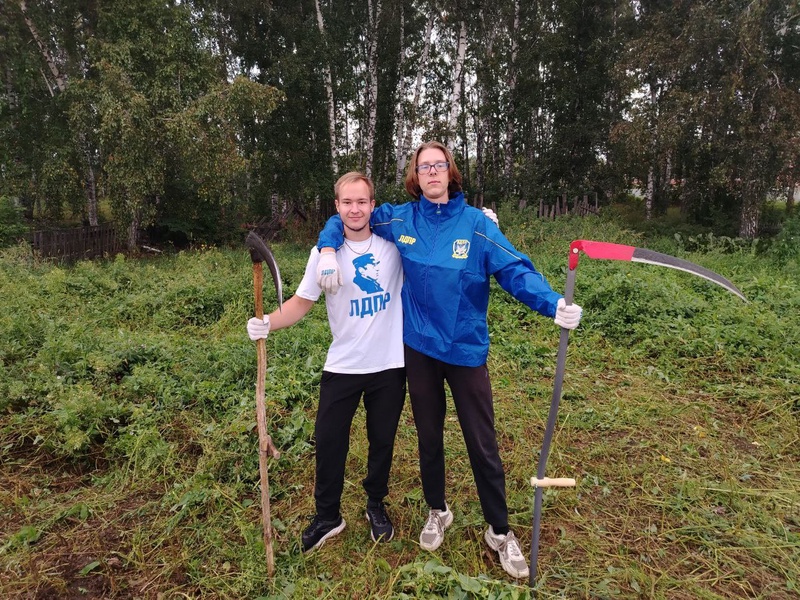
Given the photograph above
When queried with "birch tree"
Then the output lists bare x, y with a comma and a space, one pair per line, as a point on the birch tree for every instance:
61, 23
371, 98
328, 81
650, 190
508, 154
486, 73
48, 56
401, 94
458, 82
407, 127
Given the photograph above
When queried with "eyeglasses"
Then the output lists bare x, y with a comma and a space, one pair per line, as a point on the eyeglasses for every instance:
439, 166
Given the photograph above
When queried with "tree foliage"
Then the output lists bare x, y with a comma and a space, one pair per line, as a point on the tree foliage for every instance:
203, 114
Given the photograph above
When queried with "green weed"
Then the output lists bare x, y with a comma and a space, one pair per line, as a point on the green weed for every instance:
128, 447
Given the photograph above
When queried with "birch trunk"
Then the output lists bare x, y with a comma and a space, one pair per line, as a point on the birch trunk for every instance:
91, 196
11, 95
405, 148
480, 179
666, 185
685, 193
650, 193
326, 74
61, 84
61, 80
455, 96
133, 230
753, 197
512, 85
90, 181
482, 120
401, 95
754, 192
649, 201
372, 87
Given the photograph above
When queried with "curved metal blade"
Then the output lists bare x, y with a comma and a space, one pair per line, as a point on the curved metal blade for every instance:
260, 252
609, 251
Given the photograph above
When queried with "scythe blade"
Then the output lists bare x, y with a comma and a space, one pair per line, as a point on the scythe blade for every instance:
609, 251
260, 252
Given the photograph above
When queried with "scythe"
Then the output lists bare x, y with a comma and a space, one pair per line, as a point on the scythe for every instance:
601, 251
260, 253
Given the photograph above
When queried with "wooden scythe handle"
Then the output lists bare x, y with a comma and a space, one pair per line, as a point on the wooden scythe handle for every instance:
265, 445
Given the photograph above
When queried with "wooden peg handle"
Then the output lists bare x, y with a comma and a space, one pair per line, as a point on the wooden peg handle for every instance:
553, 482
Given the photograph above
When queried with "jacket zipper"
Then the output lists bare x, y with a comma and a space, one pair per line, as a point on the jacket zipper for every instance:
431, 257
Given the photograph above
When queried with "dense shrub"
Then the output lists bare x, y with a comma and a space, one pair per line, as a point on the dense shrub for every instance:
12, 225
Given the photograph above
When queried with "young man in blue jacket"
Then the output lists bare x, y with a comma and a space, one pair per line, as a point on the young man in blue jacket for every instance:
449, 250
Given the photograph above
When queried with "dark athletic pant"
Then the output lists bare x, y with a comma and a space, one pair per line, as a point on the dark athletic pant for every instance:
472, 396
384, 393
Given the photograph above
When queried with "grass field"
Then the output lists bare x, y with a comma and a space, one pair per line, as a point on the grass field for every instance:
128, 449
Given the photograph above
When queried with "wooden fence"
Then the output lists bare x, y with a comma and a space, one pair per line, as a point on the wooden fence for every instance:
580, 206
77, 243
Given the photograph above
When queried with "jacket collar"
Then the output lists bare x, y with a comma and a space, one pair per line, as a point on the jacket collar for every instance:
454, 206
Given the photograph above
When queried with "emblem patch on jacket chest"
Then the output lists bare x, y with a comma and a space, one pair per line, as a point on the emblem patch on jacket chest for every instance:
461, 249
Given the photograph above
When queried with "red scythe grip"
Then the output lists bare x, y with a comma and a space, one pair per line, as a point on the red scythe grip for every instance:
575, 254
598, 250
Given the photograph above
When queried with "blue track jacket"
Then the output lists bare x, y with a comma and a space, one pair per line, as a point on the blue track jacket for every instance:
448, 252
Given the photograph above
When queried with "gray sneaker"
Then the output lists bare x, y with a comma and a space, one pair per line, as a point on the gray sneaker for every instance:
432, 534
511, 557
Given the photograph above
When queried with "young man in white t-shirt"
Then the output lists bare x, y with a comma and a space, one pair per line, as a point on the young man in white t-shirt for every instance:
364, 359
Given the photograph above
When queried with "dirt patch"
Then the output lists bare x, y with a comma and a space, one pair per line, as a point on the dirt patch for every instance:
80, 542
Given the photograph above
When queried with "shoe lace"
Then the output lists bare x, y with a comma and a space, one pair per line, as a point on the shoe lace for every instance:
378, 515
510, 547
317, 523
434, 523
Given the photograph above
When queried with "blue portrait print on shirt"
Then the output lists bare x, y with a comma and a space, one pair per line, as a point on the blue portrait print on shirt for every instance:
367, 273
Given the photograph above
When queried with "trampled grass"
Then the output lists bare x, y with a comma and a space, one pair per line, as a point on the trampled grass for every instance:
128, 444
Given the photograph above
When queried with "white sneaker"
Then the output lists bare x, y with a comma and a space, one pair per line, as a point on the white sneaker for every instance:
511, 557
432, 534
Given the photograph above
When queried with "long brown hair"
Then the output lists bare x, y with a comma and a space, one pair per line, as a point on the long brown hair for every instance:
412, 177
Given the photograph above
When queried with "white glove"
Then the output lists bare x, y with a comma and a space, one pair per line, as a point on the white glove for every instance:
490, 214
257, 328
568, 317
329, 276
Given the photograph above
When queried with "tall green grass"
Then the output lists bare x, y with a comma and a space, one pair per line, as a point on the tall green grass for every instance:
128, 449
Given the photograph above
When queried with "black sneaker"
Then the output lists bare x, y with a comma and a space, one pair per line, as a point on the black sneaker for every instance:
380, 524
319, 531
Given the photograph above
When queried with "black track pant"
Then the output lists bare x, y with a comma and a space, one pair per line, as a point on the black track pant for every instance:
472, 395
384, 393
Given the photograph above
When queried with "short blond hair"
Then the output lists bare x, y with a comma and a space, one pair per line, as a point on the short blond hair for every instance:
353, 177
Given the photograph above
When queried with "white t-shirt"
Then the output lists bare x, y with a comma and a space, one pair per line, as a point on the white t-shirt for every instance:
366, 315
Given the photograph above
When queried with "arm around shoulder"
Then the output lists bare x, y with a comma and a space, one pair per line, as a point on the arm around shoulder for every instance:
332, 234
